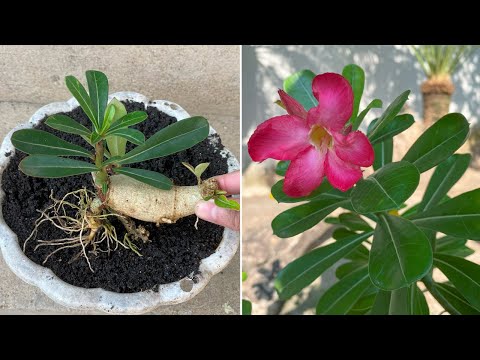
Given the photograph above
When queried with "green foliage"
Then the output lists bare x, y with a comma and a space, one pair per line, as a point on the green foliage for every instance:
382, 276
110, 126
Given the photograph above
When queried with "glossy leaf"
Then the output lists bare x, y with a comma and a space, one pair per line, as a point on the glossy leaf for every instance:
375, 103
299, 86
98, 90
116, 144
95, 138
458, 217
324, 192
381, 305
360, 253
304, 270
386, 189
54, 167
356, 77
303, 217
151, 178
81, 95
200, 169
246, 307
134, 136
438, 142
400, 255
354, 222
341, 233
388, 115
444, 177
347, 268
39, 142
109, 116
127, 120
174, 138
408, 301
223, 202
453, 246
383, 153
67, 125
451, 299
282, 167
398, 125
342, 296
363, 305
463, 274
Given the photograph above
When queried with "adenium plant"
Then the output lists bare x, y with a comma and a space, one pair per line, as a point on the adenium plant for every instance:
387, 250
121, 191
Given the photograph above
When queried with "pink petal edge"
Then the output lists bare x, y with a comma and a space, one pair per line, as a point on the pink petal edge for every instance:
355, 148
292, 106
341, 174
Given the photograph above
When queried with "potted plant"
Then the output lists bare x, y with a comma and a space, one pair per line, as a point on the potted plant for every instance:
113, 231
389, 252
439, 63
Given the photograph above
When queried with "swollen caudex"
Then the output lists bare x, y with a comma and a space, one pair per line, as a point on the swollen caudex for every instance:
135, 199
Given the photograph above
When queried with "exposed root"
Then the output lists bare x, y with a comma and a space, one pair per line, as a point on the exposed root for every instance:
88, 229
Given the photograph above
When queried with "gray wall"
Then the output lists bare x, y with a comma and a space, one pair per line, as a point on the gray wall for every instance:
389, 70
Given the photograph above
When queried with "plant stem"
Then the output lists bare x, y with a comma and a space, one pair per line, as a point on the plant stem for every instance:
99, 151
101, 176
430, 285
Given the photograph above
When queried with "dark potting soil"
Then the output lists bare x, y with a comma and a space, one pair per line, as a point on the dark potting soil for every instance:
175, 250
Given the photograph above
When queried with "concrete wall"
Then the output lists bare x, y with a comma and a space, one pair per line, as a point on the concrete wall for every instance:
389, 71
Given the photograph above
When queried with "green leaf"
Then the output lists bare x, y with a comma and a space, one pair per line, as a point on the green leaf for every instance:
400, 255
134, 136
458, 217
341, 233
381, 305
95, 138
299, 86
244, 276
389, 115
246, 307
408, 301
360, 253
342, 296
109, 115
39, 142
67, 125
438, 142
116, 144
374, 104
386, 189
332, 220
451, 299
324, 192
444, 177
151, 178
450, 245
304, 270
463, 274
347, 268
80, 94
356, 77
354, 222
223, 202
200, 169
98, 90
174, 138
364, 304
383, 153
127, 120
282, 167
301, 218
398, 125
54, 167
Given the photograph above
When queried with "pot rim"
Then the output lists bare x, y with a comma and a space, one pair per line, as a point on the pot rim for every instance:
96, 298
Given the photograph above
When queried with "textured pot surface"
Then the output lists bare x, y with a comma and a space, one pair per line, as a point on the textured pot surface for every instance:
99, 299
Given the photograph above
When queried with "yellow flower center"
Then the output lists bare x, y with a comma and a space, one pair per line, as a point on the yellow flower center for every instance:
319, 136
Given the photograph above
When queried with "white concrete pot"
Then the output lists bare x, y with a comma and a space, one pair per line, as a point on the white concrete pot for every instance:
99, 299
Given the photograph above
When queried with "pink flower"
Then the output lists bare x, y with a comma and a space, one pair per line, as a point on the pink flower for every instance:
315, 141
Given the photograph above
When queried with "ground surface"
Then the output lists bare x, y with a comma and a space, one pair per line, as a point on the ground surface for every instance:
31, 76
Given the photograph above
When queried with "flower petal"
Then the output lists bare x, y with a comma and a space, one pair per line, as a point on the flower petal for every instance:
292, 106
305, 173
341, 174
280, 138
354, 148
335, 101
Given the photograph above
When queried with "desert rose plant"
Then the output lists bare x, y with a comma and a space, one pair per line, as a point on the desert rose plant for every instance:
387, 249
122, 192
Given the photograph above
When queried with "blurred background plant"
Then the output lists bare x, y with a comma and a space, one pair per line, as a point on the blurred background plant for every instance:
439, 63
